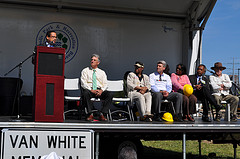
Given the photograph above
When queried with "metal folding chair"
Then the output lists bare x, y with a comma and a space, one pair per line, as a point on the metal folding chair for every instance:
117, 86
72, 85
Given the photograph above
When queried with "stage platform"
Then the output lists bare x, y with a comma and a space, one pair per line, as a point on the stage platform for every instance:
119, 131
126, 126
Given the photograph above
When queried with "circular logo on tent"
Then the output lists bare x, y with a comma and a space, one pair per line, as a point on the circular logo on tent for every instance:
66, 38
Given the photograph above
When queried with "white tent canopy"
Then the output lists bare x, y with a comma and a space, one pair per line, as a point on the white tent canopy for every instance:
121, 31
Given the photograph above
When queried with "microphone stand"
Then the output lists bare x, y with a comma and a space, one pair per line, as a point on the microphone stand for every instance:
210, 71
19, 66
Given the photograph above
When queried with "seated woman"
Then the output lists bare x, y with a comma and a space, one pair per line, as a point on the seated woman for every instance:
189, 103
138, 88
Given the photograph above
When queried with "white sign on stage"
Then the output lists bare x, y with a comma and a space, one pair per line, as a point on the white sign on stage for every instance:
32, 144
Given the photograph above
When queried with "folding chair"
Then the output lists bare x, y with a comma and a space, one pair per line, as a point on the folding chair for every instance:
172, 106
117, 86
199, 110
72, 85
227, 110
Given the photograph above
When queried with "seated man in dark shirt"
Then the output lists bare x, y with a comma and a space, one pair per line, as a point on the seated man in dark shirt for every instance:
51, 37
202, 91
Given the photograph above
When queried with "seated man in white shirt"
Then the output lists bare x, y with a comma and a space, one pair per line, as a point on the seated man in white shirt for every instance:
161, 86
94, 84
221, 85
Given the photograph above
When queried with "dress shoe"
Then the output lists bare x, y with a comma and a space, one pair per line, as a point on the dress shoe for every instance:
157, 117
102, 118
233, 117
178, 118
146, 118
206, 119
218, 117
90, 118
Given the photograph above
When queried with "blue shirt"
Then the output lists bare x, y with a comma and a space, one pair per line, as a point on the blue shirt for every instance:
49, 45
160, 84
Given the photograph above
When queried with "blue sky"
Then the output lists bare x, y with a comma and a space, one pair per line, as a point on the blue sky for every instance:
221, 37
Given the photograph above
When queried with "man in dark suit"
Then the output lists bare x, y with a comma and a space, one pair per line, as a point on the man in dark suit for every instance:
202, 91
51, 37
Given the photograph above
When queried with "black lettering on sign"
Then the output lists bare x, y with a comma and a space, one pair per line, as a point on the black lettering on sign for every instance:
66, 142
81, 141
22, 141
52, 141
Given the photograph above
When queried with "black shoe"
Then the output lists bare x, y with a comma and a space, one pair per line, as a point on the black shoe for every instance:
206, 119
233, 117
178, 118
218, 117
157, 117
147, 119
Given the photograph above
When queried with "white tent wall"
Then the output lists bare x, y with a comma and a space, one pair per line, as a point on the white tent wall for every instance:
119, 40
196, 52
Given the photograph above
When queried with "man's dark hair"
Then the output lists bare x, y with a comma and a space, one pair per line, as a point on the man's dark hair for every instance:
205, 68
48, 34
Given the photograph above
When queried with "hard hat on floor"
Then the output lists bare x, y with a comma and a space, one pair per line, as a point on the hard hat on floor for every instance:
167, 117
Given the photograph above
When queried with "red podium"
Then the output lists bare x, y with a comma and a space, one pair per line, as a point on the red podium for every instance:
49, 84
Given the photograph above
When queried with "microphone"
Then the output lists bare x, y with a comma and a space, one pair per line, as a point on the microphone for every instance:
51, 42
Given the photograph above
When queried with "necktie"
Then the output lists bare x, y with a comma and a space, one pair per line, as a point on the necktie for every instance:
199, 80
94, 80
160, 78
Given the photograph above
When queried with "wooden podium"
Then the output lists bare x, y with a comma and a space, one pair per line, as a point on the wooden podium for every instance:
49, 84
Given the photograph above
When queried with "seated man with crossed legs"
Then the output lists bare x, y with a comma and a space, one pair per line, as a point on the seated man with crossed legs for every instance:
94, 84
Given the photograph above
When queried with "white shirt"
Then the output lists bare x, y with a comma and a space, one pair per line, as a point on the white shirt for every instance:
86, 78
133, 81
216, 82
157, 85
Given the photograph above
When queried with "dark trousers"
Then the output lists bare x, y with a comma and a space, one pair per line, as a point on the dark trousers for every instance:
105, 96
205, 96
189, 104
157, 99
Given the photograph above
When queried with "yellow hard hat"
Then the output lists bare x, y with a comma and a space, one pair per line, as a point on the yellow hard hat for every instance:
167, 117
187, 90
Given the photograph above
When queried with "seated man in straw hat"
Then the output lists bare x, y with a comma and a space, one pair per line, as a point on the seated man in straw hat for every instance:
138, 87
221, 85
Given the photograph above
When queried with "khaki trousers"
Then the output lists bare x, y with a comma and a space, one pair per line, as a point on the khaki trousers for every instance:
143, 102
233, 100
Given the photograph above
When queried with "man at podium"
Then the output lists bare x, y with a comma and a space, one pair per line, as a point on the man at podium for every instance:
94, 84
51, 37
